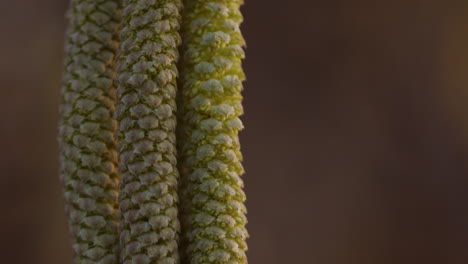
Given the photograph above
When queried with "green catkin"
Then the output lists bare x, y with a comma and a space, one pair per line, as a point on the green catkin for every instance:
213, 211
88, 160
146, 133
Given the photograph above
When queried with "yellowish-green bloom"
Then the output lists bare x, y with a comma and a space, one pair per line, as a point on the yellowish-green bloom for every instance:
140, 207
88, 160
213, 221
146, 114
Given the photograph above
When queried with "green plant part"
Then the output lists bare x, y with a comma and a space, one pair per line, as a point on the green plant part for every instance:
146, 113
88, 159
213, 213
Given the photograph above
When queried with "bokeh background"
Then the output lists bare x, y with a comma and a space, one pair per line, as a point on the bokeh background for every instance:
356, 140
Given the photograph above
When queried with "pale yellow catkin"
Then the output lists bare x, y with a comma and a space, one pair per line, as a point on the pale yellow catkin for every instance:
88, 159
146, 133
213, 210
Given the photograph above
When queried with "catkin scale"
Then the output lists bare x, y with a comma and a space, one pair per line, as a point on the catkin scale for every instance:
146, 133
88, 160
213, 211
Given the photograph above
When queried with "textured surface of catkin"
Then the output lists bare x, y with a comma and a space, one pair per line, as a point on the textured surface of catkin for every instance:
213, 211
146, 132
88, 159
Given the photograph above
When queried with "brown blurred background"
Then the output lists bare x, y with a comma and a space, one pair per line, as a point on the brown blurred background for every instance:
356, 147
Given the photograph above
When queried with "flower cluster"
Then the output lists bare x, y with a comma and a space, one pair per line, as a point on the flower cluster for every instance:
146, 134
88, 156
120, 161
213, 211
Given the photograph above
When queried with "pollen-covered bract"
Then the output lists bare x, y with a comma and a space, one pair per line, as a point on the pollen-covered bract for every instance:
213, 211
146, 132
88, 159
